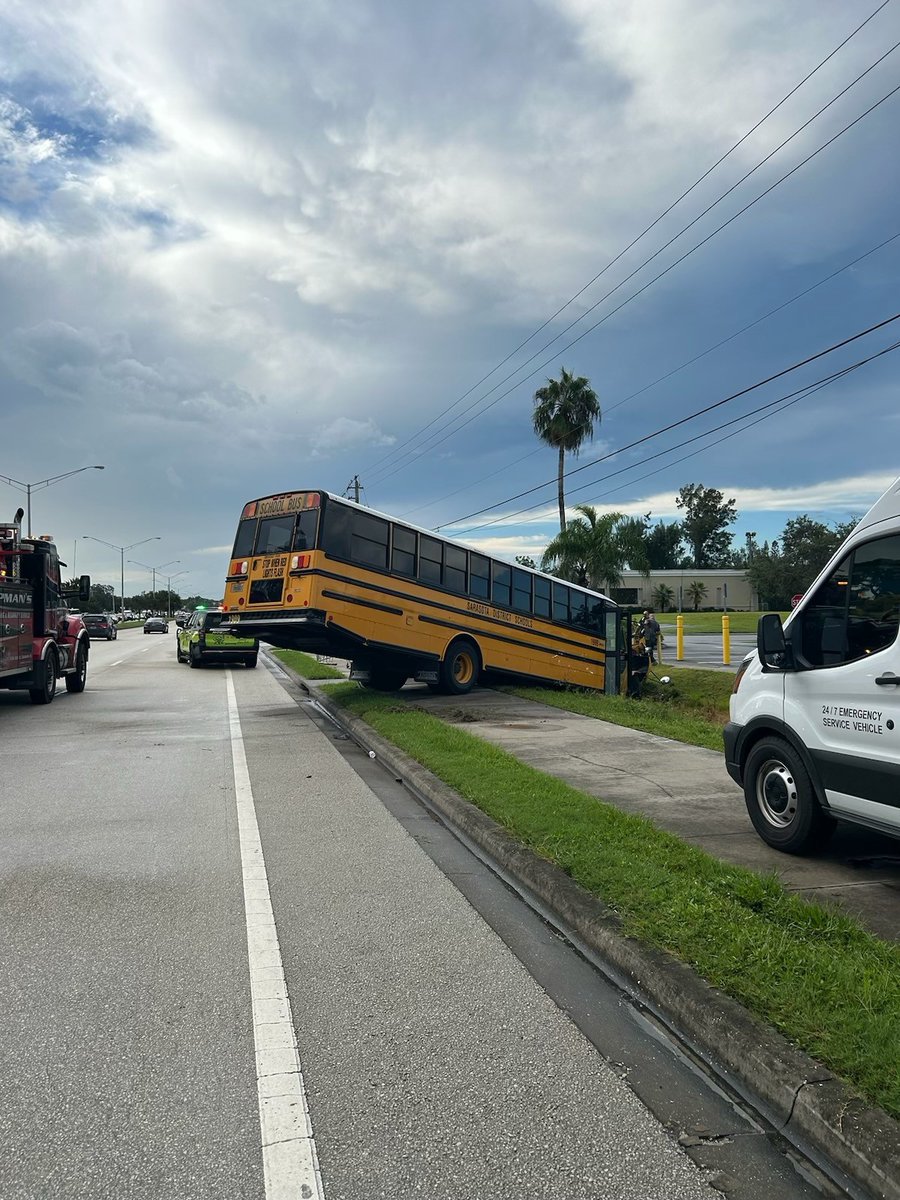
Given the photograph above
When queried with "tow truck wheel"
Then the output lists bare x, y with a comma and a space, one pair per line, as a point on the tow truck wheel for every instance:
78, 678
46, 680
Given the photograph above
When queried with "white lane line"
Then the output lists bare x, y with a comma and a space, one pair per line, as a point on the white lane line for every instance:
290, 1162
116, 663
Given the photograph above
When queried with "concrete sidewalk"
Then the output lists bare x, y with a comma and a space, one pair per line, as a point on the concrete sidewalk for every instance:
682, 788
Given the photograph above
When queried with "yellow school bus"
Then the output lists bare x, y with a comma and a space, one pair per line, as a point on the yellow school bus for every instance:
313, 571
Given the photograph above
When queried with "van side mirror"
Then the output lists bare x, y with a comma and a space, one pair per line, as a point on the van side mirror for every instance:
770, 642
84, 589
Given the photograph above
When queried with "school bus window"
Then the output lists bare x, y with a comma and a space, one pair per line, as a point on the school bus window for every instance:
479, 577
274, 536
305, 533
243, 543
403, 552
430, 559
579, 607
521, 591
560, 602
455, 569
502, 579
368, 540
596, 620
541, 597
336, 534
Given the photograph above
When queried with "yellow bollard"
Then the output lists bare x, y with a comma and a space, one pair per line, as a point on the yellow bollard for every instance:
726, 640
679, 638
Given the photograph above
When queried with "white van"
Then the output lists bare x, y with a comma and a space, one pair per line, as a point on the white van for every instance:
815, 712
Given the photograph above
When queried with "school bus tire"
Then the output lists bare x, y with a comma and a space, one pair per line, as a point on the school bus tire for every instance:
385, 678
460, 667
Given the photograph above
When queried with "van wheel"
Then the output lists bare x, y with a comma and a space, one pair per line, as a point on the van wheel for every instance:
781, 800
46, 680
460, 668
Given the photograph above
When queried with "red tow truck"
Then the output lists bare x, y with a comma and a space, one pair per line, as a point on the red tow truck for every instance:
40, 642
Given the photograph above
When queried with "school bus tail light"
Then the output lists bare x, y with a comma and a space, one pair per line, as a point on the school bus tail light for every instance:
242, 568
299, 562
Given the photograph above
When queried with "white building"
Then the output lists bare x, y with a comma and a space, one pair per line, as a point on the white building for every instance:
726, 590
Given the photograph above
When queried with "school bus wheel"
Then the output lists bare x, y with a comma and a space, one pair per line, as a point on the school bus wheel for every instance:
460, 667
385, 678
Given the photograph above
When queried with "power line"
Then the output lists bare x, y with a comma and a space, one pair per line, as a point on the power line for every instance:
774, 405
675, 370
396, 450
672, 265
683, 421
769, 409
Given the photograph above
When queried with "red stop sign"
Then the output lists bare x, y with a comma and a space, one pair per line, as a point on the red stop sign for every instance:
795, 600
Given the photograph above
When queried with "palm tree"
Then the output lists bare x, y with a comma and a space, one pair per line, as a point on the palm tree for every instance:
590, 550
565, 411
663, 597
697, 593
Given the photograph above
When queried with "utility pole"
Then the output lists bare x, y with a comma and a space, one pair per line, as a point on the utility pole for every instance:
353, 485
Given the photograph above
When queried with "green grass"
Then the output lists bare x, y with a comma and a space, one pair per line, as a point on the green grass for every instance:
306, 665
692, 708
815, 975
707, 622
130, 624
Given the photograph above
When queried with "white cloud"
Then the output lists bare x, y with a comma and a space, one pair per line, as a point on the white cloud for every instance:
260, 235
348, 434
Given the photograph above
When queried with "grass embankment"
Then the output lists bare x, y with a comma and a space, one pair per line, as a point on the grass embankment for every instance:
306, 665
708, 622
825, 983
692, 708
130, 625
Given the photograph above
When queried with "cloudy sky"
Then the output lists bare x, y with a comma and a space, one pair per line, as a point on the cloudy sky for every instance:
247, 248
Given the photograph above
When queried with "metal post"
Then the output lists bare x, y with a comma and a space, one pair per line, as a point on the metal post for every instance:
28, 494
726, 640
122, 580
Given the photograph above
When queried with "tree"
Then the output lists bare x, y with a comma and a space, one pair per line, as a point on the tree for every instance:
590, 550
791, 563
663, 545
705, 526
663, 597
103, 598
631, 532
565, 411
697, 593
525, 560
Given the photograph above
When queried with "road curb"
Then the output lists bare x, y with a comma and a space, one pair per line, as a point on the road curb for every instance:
799, 1096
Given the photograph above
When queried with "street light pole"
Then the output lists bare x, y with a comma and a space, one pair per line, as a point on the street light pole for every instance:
147, 567
44, 483
169, 591
87, 537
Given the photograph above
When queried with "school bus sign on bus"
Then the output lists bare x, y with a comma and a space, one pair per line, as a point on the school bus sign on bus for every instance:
316, 572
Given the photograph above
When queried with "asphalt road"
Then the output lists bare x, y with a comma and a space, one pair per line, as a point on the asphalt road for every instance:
449, 1046
705, 649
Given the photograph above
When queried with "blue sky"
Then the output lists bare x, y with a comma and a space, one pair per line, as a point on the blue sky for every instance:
253, 248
